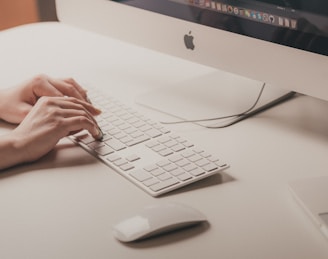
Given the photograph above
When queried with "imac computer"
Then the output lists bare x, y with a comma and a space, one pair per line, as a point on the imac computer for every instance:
282, 44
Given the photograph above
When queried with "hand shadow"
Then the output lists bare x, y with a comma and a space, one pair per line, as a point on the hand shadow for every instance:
65, 154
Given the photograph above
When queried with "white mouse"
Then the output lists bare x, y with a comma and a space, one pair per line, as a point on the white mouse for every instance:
157, 219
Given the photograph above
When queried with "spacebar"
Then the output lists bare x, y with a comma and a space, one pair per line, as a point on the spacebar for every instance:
138, 140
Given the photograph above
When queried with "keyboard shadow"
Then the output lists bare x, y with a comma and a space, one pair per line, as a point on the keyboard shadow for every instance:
216, 179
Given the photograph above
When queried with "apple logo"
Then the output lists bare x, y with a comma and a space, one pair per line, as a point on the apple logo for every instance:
189, 41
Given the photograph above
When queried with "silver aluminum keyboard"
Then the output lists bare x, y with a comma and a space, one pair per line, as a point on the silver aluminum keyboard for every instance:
142, 150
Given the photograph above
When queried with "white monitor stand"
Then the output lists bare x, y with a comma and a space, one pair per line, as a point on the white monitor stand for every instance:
217, 94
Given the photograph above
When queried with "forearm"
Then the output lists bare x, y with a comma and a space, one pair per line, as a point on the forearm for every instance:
11, 152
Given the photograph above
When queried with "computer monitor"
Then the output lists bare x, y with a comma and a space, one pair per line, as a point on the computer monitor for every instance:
283, 43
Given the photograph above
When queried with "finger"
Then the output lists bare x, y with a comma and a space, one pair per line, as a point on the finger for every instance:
71, 109
73, 103
42, 87
68, 89
94, 111
78, 123
73, 112
78, 87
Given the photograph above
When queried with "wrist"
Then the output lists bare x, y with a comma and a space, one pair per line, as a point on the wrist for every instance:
12, 150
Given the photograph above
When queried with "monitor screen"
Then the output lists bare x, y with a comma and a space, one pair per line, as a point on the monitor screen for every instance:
282, 43
300, 24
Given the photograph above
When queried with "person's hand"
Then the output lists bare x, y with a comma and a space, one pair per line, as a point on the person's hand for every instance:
50, 119
16, 102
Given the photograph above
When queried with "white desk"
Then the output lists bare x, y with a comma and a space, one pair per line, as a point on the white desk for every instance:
64, 205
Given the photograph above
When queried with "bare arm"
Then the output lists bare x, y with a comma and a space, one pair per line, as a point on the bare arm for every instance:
51, 119
46, 110
16, 102
10, 152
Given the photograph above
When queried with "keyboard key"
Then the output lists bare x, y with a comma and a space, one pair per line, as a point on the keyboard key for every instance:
132, 158
165, 152
136, 134
150, 168
164, 139
153, 133
137, 140
194, 158
184, 177
202, 162
170, 143
120, 162
126, 167
175, 158
177, 171
182, 162
113, 157
210, 167
178, 148
188, 153
189, 167
197, 172
141, 175
96, 144
163, 163
104, 150
152, 144
115, 144
86, 139
157, 172
159, 148
170, 167
151, 181
159, 186
164, 176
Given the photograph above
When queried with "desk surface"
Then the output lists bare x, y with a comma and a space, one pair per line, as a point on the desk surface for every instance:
64, 205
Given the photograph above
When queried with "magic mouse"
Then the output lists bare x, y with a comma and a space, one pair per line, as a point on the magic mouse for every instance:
157, 219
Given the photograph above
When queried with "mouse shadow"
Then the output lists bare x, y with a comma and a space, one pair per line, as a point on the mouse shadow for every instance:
167, 238
211, 181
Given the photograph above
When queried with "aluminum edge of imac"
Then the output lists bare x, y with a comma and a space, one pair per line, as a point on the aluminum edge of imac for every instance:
289, 68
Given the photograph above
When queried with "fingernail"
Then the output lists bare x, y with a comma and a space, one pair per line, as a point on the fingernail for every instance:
88, 100
99, 134
98, 110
